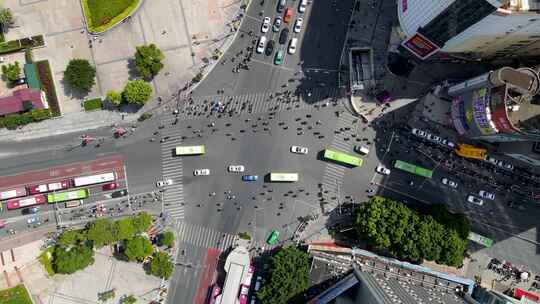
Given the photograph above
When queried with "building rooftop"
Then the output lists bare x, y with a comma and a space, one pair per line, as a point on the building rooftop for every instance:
22, 100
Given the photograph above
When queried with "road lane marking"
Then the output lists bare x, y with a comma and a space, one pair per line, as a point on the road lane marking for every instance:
273, 65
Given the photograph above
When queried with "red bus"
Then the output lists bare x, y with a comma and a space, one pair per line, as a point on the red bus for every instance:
25, 202
62, 185
244, 288
13, 193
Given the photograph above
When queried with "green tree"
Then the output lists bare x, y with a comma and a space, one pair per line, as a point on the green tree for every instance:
138, 248
125, 228
289, 277
166, 239
148, 60
453, 249
137, 92
114, 98
69, 260
72, 237
142, 222
11, 71
80, 75
6, 19
161, 266
129, 300
102, 232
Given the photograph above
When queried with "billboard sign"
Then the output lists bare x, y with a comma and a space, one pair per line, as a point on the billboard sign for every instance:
479, 111
457, 115
420, 46
499, 116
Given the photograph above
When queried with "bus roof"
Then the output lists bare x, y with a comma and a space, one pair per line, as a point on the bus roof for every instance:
342, 157
414, 169
284, 177
189, 150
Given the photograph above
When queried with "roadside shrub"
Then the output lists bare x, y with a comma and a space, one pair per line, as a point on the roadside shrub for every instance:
12, 121
93, 104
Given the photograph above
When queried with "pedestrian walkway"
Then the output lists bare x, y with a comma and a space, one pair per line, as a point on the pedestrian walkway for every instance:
173, 197
251, 104
333, 173
203, 236
69, 123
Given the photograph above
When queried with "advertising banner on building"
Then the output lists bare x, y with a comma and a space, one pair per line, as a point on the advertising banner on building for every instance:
420, 46
479, 110
458, 115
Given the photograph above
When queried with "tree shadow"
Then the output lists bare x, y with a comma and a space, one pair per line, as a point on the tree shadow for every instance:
71, 91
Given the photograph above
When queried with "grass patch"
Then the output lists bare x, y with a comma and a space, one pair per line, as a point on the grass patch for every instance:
103, 14
93, 104
15, 295
45, 258
47, 85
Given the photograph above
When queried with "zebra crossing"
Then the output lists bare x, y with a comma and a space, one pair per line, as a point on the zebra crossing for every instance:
171, 168
333, 173
252, 103
203, 236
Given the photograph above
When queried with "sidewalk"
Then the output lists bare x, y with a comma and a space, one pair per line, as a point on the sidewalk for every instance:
69, 123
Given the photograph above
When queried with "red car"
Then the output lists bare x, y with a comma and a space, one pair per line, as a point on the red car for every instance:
110, 186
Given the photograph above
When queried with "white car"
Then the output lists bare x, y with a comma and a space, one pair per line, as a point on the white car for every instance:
277, 24
261, 44
475, 200
166, 182
302, 6
509, 166
201, 172
434, 138
298, 25
486, 194
418, 133
266, 25
236, 168
490, 159
299, 150
448, 143
449, 182
382, 170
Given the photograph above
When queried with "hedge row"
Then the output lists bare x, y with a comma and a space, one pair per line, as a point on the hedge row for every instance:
18, 45
12, 121
47, 85
92, 104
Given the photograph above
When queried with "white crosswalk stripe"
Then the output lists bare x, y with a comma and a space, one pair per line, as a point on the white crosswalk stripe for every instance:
203, 236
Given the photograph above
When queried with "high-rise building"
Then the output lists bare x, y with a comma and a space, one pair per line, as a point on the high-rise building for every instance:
499, 106
471, 28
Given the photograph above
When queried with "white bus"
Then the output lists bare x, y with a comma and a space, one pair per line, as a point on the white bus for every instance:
189, 150
283, 177
94, 179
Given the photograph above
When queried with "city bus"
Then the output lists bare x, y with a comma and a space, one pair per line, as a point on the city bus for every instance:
94, 179
189, 150
342, 158
13, 193
67, 196
283, 177
417, 170
26, 202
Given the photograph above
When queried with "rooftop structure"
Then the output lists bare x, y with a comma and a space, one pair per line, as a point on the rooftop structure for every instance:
475, 28
23, 100
236, 267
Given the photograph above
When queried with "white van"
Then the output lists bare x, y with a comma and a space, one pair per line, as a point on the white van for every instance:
361, 150
302, 6
292, 45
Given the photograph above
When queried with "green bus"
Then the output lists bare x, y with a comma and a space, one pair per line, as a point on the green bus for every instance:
283, 177
482, 240
414, 169
189, 150
273, 237
67, 196
342, 158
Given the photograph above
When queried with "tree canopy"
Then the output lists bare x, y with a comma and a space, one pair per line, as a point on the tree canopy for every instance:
289, 277
138, 248
166, 239
80, 75
69, 260
161, 266
114, 98
407, 235
11, 71
137, 92
102, 232
6, 19
148, 60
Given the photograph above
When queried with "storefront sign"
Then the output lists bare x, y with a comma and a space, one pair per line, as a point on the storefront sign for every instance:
420, 46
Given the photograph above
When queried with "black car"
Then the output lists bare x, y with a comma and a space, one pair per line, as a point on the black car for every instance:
281, 5
269, 48
284, 36
119, 193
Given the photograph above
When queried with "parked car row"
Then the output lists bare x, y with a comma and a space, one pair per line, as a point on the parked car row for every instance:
433, 138
499, 163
